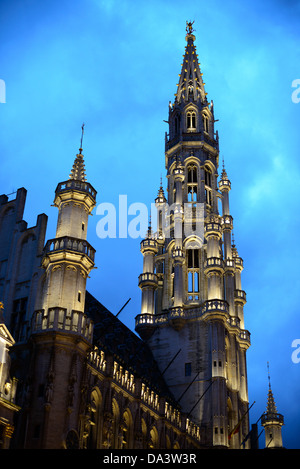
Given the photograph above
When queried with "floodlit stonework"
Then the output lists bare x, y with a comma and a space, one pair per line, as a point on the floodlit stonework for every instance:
192, 297
72, 375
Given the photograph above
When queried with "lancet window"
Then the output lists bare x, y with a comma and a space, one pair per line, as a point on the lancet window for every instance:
177, 124
192, 184
193, 274
205, 123
191, 120
208, 185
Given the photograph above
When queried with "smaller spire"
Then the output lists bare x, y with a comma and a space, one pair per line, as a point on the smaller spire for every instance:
223, 174
78, 168
271, 406
272, 421
149, 232
160, 195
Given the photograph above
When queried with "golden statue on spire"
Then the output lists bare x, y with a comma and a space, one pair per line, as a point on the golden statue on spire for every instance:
189, 27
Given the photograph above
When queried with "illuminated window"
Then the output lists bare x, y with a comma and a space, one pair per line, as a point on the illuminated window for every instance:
191, 120
172, 281
208, 185
208, 196
193, 274
192, 184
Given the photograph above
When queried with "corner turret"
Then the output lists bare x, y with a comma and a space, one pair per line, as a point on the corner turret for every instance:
272, 422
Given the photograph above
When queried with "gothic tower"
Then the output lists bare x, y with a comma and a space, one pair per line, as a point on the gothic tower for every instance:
192, 299
272, 422
61, 332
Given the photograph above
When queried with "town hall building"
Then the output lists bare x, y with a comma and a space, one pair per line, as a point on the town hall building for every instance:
72, 375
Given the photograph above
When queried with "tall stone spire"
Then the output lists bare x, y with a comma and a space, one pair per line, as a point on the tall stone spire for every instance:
192, 295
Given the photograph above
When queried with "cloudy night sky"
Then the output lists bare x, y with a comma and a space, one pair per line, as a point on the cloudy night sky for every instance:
114, 65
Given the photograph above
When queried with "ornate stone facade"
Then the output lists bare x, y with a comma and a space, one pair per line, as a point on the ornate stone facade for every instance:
84, 379
192, 298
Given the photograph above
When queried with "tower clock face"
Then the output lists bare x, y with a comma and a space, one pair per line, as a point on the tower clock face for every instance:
72, 440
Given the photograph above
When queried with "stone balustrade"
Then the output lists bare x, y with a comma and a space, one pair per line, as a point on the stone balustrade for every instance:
148, 278
213, 263
240, 295
191, 136
227, 222
216, 305
224, 184
212, 229
68, 243
272, 417
59, 320
72, 184
148, 244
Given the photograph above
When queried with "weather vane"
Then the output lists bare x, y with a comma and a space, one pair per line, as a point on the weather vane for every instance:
189, 27
82, 132
269, 375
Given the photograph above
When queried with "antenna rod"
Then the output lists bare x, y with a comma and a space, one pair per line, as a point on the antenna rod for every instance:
199, 400
171, 361
188, 386
122, 307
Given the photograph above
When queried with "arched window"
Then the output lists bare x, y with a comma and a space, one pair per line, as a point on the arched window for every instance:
192, 183
205, 122
208, 185
177, 124
95, 401
153, 443
172, 281
126, 431
193, 274
191, 120
114, 431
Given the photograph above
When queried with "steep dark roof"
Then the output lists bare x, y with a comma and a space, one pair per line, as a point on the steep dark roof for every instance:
111, 335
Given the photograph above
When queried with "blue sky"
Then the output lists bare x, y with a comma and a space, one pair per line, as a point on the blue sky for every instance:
114, 65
